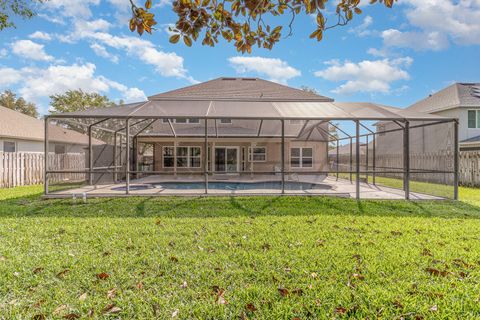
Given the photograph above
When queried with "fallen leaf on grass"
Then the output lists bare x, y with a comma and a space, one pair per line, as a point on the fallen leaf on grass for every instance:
184, 285
250, 307
111, 293
427, 252
102, 276
3, 258
90, 313
111, 308
437, 272
340, 310
175, 313
358, 276
434, 308
398, 304
37, 270
139, 285
63, 273
71, 316
60, 309
314, 275
173, 259
83, 296
283, 292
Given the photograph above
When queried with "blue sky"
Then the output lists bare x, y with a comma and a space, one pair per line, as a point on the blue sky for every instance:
391, 56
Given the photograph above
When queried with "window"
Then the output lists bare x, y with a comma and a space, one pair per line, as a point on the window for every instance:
59, 149
474, 119
168, 157
257, 154
301, 157
226, 121
9, 146
187, 157
183, 120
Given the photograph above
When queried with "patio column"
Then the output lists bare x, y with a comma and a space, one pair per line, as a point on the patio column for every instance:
127, 157
45, 156
406, 160
373, 159
366, 159
337, 157
455, 160
351, 159
357, 159
205, 157
90, 156
283, 156
115, 157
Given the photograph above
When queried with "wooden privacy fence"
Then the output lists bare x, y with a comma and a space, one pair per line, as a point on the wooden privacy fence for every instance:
469, 163
21, 168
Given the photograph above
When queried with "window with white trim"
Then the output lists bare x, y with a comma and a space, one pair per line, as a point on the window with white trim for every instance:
257, 154
59, 149
473, 119
187, 157
301, 157
9, 146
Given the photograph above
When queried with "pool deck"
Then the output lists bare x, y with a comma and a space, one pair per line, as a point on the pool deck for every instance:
332, 187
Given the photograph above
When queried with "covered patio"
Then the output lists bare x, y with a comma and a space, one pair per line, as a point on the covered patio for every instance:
227, 147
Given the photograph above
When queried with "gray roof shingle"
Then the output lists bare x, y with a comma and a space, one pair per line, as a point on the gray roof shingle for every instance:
453, 96
240, 89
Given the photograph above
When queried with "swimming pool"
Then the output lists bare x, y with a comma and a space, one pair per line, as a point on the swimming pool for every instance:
221, 185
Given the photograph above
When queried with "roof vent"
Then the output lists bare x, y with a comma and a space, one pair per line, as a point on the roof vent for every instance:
476, 91
229, 78
249, 79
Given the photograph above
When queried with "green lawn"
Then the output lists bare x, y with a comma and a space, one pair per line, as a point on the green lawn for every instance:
256, 257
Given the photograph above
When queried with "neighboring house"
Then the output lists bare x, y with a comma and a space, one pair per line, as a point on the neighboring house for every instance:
459, 100
22, 133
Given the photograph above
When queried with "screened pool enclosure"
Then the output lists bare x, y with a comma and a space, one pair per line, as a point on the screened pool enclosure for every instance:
241, 146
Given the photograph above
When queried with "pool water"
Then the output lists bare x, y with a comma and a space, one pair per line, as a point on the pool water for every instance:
289, 185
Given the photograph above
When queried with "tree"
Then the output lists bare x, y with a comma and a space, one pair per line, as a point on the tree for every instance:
8, 99
78, 100
21, 8
245, 22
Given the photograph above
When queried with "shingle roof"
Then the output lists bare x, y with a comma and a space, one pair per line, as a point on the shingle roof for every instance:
473, 139
456, 95
240, 89
16, 125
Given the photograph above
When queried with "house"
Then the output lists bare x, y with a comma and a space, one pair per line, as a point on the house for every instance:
22, 133
241, 135
461, 101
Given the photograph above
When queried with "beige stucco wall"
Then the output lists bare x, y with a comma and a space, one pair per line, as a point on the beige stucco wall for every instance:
37, 146
462, 114
273, 153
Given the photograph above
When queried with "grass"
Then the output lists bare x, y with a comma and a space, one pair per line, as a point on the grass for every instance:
257, 257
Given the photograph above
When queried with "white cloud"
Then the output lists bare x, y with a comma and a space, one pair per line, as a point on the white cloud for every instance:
419, 41
436, 23
275, 69
168, 64
30, 50
102, 52
366, 76
3, 53
363, 30
72, 8
9, 76
36, 84
39, 35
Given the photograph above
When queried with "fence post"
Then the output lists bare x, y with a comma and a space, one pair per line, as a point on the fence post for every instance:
45, 155
283, 156
127, 157
357, 159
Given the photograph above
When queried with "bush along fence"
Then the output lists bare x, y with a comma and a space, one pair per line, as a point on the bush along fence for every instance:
21, 168
469, 163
